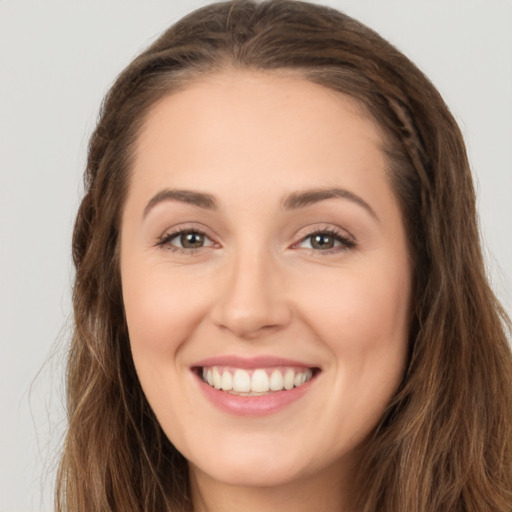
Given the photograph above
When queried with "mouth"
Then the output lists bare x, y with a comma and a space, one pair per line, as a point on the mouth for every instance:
255, 381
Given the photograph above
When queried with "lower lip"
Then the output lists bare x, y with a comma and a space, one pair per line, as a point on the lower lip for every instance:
253, 405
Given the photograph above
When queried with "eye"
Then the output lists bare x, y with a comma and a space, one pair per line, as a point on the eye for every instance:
326, 241
190, 240
185, 240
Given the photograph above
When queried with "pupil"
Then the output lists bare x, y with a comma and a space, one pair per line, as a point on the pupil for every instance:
192, 240
323, 242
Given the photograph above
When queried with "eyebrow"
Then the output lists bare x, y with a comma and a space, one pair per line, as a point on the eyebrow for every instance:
200, 199
308, 197
294, 201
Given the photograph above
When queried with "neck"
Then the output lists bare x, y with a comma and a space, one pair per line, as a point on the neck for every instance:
324, 492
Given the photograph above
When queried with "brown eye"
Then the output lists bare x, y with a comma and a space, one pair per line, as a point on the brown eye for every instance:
322, 241
192, 240
326, 241
186, 240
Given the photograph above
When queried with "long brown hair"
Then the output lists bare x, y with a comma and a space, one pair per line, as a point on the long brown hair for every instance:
445, 441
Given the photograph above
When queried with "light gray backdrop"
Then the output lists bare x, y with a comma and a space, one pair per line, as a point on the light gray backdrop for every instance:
57, 58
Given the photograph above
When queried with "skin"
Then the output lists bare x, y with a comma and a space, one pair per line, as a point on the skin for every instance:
258, 287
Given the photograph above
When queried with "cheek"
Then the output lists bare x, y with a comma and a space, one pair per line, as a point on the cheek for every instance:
360, 311
160, 310
363, 318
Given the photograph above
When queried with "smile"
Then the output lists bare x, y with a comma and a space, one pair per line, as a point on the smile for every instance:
253, 387
255, 382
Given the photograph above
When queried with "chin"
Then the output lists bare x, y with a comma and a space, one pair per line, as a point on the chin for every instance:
251, 470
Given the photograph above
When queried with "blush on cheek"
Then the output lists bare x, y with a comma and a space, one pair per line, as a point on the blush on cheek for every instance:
160, 319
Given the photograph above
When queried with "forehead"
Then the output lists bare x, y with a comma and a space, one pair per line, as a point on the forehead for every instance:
244, 87
262, 117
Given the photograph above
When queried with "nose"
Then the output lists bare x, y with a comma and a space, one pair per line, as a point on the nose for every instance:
251, 299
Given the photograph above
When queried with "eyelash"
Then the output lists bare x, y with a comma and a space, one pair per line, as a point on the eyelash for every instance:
165, 241
345, 243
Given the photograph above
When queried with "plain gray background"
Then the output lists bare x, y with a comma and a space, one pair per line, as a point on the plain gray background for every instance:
57, 59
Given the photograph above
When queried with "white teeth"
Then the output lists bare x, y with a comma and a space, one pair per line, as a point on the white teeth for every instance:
241, 381
216, 378
260, 382
227, 381
255, 381
289, 377
276, 381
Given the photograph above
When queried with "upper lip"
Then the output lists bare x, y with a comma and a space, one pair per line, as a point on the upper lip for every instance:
250, 362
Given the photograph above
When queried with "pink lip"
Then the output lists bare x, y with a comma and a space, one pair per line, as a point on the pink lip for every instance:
249, 363
253, 405
250, 405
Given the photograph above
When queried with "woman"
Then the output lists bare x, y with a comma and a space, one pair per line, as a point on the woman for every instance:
280, 299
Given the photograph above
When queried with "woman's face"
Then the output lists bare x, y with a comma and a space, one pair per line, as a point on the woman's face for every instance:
263, 250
